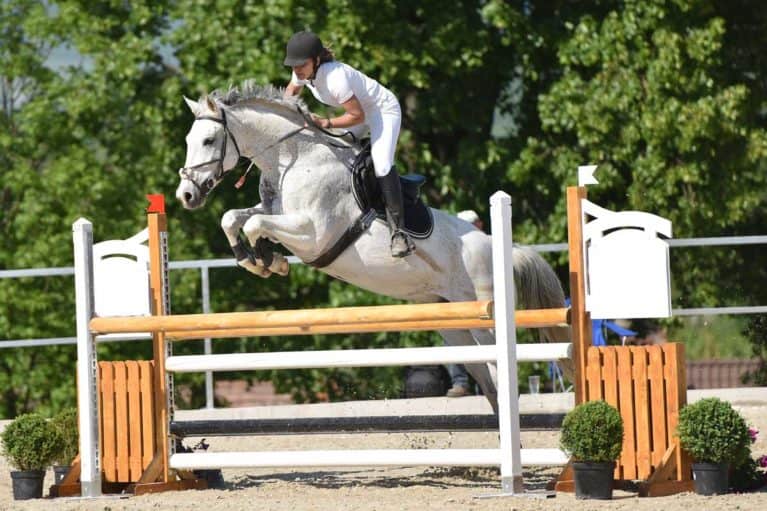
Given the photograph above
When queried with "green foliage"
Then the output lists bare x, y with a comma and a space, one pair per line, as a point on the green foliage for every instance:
592, 431
747, 475
713, 432
756, 330
712, 337
65, 423
30, 442
668, 97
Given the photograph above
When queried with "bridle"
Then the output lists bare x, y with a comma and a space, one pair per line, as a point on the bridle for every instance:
209, 184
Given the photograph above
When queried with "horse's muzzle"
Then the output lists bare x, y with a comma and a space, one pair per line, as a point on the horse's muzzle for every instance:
190, 195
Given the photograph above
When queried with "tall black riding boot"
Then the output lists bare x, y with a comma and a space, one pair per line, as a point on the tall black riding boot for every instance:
401, 244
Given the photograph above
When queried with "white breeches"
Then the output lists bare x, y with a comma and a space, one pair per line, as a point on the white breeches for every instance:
384, 131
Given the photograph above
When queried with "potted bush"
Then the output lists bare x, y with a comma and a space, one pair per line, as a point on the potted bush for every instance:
716, 436
29, 443
592, 434
65, 422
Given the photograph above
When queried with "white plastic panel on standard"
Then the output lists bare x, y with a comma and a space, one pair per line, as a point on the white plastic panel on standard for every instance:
628, 264
121, 277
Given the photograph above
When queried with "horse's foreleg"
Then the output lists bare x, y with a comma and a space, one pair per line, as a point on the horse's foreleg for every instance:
231, 223
295, 231
266, 255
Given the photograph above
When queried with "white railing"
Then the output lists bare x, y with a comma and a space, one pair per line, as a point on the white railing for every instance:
205, 265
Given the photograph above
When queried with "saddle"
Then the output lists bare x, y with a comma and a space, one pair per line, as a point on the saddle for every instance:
418, 218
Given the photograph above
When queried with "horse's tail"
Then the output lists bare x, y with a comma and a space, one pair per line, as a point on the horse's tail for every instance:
538, 287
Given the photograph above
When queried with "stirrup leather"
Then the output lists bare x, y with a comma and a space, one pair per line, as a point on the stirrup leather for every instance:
398, 234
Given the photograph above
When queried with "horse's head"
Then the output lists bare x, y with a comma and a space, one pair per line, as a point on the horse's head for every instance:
211, 151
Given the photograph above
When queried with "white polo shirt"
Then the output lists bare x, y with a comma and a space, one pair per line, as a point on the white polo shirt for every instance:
336, 82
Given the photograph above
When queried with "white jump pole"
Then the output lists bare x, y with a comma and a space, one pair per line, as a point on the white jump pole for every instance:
361, 458
361, 358
506, 344
87, 393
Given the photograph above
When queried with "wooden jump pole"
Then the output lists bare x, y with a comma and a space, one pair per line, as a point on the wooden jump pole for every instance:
580, 319
160, 303
291, 318
526, 319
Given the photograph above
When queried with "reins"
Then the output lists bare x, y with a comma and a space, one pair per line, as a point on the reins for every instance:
209, 184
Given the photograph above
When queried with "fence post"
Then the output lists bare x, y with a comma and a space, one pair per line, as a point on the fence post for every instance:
205, 284
506, 343
87, 365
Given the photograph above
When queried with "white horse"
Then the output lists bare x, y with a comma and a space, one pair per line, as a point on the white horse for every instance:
307, 205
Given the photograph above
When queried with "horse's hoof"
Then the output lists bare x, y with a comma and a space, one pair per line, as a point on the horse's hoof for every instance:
255, 269
262, 272
281, 268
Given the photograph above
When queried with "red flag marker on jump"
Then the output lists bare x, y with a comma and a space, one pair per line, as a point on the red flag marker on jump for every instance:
156, 203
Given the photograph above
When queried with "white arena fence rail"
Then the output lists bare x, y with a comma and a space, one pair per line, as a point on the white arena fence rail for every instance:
205, 265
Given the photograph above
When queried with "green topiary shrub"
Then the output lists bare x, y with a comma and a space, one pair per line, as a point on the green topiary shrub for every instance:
65, 422
713, 432
593, 432
30, 442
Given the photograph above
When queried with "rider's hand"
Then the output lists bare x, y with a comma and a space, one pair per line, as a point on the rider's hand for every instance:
322, 122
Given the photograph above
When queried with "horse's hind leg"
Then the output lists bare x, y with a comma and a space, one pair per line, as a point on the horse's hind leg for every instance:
483, 374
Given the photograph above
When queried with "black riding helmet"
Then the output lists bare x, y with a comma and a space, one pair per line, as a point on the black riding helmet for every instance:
302, 46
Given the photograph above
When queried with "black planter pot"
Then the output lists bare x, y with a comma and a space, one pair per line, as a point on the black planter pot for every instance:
27, 484
425, 381
59, 472
593, 480
711, 478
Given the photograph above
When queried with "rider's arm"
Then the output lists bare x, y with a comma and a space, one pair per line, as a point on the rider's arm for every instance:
352, 116
292, 89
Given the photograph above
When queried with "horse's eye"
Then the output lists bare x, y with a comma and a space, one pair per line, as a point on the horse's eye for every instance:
208, 141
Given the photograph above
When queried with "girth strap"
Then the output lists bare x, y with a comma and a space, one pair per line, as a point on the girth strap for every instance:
352, 234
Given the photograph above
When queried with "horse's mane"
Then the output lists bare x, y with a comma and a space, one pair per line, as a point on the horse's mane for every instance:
250, 91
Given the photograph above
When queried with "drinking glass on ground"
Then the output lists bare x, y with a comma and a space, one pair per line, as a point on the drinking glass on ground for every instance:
534, 384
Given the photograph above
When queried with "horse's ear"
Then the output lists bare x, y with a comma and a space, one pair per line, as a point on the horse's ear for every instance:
211, 104
194, 106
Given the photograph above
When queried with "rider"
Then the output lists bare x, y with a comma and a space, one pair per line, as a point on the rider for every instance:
365, 101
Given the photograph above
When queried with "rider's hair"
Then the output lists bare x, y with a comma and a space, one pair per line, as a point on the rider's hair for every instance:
326, 55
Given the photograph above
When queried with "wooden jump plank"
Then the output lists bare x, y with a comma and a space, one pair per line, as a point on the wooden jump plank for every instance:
146, 369
676, 398
134, 417
108, 431
627, 462
610, 375
642, 411
657, 404
610, 382
122, 428
594, 375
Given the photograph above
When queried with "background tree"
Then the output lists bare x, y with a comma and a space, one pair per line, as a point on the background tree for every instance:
667, 96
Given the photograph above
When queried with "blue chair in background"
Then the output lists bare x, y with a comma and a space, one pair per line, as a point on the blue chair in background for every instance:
599, 329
